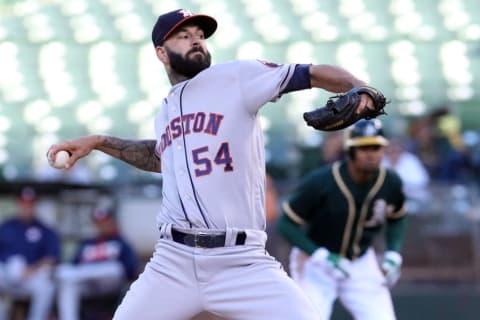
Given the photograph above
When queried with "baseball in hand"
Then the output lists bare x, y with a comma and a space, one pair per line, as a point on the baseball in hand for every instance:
60, 160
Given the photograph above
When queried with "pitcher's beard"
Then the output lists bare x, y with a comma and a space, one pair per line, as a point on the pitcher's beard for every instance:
190, 65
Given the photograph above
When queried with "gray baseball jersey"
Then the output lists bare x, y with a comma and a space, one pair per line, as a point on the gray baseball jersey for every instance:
212, 153
214, 174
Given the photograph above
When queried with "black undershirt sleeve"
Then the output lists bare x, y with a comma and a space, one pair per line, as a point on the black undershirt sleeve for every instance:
300, 79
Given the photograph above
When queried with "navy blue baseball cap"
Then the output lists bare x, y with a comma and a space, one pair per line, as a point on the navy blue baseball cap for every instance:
169, 22
27, 195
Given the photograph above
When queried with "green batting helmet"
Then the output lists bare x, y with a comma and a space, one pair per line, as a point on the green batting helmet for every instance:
365, 133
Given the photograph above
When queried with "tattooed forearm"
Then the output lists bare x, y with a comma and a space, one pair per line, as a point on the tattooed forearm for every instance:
138, 153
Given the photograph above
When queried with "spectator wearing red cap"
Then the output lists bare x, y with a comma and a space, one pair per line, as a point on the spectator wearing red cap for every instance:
29, 251
102, 265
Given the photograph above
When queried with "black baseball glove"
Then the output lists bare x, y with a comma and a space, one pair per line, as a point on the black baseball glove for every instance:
340, 110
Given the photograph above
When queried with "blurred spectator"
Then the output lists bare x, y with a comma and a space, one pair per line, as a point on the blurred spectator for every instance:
332, 147
101, 266
29, 251
471, 141
330, 150
437, 143
412, 172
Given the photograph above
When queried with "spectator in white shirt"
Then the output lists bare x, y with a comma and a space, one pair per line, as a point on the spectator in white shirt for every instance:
411, 170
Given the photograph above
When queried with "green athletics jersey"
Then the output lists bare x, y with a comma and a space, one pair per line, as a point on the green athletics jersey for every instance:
344, 216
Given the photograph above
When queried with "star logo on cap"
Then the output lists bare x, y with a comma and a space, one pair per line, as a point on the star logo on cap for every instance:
185, 13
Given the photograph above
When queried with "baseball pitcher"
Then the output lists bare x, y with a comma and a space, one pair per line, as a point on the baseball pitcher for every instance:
332, 218
211, 251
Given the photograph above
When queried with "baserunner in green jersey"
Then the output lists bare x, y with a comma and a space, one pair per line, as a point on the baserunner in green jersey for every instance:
331, 220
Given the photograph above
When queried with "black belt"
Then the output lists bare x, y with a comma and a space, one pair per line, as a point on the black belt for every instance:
205, 240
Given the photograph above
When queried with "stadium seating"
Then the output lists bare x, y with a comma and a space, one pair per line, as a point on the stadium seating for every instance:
82, 66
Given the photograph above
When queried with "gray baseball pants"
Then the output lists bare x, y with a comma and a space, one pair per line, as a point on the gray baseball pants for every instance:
235, 281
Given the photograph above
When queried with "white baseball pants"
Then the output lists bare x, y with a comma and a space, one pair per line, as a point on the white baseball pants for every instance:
77, 281
39, 287
364, 294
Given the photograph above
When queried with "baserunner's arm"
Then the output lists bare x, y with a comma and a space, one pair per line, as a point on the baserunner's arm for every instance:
294, 234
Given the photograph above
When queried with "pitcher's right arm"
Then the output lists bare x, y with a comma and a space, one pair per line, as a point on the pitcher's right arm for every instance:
138, 153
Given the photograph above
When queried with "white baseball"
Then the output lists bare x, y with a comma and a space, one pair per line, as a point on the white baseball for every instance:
60, 160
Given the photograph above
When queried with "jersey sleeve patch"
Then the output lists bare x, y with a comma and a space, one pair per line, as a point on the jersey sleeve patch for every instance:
269, 64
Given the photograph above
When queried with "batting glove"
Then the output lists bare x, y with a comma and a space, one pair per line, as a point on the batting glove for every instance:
392, 262
336, 265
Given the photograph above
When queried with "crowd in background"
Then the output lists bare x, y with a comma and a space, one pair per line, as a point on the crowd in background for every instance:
449, 154
33, 267
432, 150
